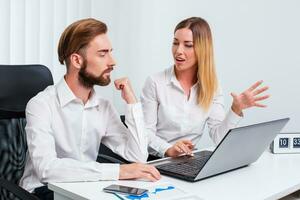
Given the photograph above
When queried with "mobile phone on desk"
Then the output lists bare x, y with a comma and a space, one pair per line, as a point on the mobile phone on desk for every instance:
124, 190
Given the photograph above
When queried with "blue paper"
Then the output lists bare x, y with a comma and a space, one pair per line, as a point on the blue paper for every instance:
145, 195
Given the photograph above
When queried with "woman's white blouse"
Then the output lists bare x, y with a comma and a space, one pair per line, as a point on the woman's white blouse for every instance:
171, 116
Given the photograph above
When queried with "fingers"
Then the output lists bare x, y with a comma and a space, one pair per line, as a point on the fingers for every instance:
188, 142
175, 150
260, 105
184, 146
147, 172
260, 90
145, 175
255, 85
189, 145
139, 170
261, 98
184, 149
249, 98
179, 148
148, 177
127, 93
121, 83
152, 171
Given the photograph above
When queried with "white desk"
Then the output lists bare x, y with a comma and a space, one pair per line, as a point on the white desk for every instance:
271, 177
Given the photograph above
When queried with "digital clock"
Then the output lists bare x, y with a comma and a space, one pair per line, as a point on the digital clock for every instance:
286, 143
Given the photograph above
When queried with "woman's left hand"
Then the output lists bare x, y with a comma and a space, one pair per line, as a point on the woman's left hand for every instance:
249, 98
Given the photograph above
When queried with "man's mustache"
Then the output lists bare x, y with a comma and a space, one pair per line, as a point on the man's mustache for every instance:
108, 70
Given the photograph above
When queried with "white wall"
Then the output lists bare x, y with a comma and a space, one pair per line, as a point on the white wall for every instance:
30, 30
254, 39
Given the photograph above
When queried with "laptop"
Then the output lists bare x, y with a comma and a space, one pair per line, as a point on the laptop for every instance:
239, 148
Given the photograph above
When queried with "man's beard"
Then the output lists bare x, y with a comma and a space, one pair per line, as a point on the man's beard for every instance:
88, 80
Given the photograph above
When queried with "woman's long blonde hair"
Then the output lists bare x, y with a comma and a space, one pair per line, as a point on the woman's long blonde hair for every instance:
203, 46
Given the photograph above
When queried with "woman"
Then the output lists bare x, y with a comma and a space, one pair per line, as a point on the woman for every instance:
180, 100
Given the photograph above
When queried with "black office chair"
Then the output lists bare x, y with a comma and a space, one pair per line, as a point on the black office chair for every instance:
106, 155
18, 83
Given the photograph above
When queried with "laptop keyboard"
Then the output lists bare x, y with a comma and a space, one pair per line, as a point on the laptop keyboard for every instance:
186, 165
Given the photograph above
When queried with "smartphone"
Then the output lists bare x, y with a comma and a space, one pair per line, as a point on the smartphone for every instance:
124, 189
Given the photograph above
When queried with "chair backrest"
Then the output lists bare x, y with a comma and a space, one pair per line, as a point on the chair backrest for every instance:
18, 84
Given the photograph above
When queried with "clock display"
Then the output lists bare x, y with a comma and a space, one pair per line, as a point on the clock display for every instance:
296, 142
284, 142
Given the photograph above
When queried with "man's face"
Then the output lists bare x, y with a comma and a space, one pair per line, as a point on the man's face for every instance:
97, 62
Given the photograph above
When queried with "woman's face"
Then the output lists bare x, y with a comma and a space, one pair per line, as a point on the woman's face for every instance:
183, 50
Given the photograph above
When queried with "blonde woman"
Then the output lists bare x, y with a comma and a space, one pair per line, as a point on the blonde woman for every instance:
179, 101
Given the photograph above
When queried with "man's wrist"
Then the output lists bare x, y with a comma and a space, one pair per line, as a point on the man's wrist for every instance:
131, 100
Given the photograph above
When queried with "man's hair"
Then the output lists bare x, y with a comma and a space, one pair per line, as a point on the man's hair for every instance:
77, 36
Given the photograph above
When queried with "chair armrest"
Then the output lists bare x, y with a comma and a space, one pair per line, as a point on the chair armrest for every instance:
108, 159
16, 190
106, 155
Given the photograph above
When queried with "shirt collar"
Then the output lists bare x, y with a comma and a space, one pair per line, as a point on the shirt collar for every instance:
93, 99
171, 77
172, 80
66, 95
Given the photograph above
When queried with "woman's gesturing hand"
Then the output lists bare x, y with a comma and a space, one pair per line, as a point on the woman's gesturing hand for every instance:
249, 98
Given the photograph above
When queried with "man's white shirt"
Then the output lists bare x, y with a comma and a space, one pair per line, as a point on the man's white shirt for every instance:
64, 135
171, 116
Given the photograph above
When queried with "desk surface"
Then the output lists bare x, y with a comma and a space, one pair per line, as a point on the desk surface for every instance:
271, 177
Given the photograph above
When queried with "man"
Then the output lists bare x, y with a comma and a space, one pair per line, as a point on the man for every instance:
66, 122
